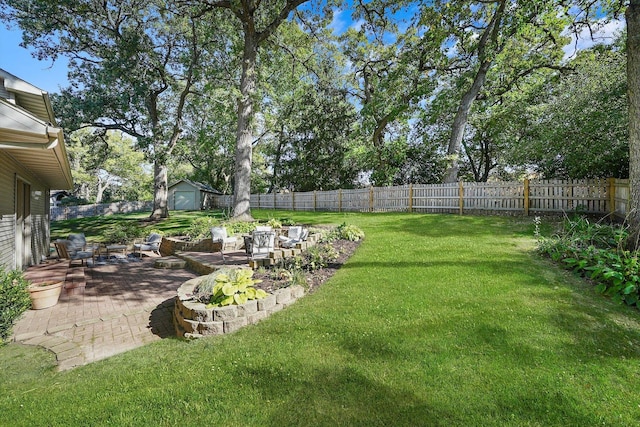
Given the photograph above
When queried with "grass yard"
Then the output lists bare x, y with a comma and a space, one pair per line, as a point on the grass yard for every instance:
436, 320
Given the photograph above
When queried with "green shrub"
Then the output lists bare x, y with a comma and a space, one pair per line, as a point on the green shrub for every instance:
274, 223
200, 228
596, 251
14, 300
228, 286
123, 232
314, 258
342, 232
240, 227
287, 221
350, 232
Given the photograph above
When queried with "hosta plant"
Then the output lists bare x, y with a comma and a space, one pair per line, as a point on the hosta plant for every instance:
228, 287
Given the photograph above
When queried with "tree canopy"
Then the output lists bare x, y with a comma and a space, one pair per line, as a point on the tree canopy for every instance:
250, 96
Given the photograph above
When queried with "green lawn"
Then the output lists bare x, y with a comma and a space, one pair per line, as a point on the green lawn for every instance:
436, 320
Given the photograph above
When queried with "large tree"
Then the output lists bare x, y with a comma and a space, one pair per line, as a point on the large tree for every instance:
259, 21
132, 66
633, 93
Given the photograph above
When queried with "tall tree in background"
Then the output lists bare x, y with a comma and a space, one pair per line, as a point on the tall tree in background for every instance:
529, 33
132, 67
307, 117
259, 21
105, 163
391, 71
633, 93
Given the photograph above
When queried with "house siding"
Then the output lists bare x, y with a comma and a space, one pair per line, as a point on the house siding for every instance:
7, 213
39, 214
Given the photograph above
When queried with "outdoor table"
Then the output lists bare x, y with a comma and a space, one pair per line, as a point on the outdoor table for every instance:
111, 248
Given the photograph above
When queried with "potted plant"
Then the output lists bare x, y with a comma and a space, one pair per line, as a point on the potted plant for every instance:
45, 294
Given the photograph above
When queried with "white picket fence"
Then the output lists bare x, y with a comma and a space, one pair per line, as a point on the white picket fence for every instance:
594, 196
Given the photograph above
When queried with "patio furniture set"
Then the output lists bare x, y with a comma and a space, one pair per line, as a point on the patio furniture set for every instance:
262, 243
76, 247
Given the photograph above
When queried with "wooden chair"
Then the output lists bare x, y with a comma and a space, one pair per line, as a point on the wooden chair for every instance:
67, 251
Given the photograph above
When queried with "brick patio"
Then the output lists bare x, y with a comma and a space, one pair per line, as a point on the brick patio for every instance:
124, 305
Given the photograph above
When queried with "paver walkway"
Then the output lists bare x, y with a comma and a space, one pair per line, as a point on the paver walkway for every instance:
124, 305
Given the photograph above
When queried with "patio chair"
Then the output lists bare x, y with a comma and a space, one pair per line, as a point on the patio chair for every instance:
66, 250
151, 245
78, 242
219, 235
295, 234
263, 228
262, 243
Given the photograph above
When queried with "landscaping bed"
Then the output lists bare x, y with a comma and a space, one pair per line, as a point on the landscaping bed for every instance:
315, 278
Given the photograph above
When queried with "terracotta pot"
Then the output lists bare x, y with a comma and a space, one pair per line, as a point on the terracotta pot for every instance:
45, 295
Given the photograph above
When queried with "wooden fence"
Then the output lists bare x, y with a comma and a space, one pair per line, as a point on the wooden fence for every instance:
594, 196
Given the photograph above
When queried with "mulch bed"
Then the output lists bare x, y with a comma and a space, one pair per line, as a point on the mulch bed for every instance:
315, 279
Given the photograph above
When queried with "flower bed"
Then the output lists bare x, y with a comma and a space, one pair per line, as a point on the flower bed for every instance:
193, 319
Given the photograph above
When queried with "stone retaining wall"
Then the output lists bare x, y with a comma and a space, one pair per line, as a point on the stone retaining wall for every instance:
193, 319
171, 245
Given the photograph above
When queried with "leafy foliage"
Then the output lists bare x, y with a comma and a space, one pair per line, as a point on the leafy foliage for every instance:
350, 232
343, 231
314, 258
274, 223
14, 300
228, 286
124, 232
200, 228
595, 250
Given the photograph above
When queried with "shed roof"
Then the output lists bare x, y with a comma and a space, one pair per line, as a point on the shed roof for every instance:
200, 186
28, 131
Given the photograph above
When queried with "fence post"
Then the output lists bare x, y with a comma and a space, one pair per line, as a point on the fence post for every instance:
275, 206
315, 200
612, 195
293, 200
461, 196
526, 197
340, 200
371, 198
410, 198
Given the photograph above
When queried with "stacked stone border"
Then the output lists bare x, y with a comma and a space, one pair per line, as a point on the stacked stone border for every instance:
174, 247
194, 320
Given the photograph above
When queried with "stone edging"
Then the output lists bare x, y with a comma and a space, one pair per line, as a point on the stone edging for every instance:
193, 319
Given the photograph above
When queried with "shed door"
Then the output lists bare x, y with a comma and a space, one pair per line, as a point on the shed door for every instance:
185, 200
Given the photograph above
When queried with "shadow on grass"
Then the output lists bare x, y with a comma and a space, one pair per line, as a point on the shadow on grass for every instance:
348, 395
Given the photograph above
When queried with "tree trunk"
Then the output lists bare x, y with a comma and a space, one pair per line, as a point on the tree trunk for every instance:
244, 139
460, 122
633, 93
160, 191
100, 192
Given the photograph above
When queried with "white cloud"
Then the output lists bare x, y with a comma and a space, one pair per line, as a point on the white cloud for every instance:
604, 33
342, 22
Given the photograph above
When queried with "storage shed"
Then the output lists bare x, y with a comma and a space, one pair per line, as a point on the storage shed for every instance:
33, 160
189, 195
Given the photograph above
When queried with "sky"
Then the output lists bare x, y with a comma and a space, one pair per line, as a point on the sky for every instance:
51, 77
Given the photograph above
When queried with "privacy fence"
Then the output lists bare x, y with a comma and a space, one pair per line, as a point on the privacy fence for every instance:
83, 211
594, 196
